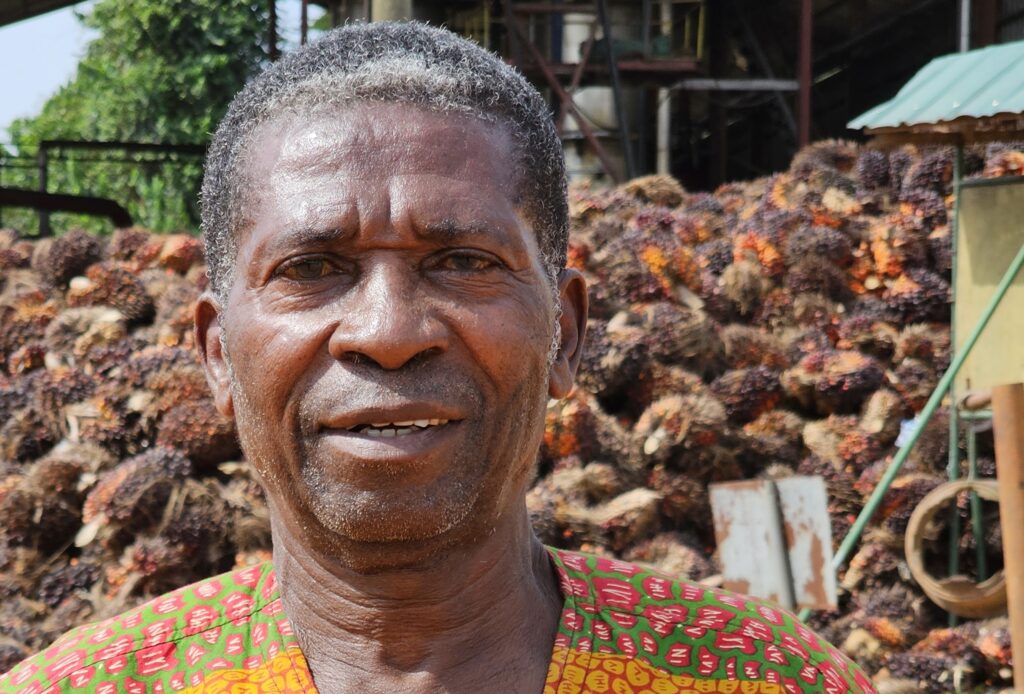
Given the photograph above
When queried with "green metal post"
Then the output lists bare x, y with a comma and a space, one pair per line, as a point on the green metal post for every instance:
953, 463
977, 522
850, 541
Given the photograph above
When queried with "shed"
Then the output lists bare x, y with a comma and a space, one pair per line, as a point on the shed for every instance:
964, 99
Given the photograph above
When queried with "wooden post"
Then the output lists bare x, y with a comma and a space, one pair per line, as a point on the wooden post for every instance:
1008, 427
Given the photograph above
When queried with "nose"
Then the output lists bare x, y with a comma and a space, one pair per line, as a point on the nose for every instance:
389, 321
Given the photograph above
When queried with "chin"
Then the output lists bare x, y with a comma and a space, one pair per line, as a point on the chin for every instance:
373, 550
363, 520
388, 513
371, 536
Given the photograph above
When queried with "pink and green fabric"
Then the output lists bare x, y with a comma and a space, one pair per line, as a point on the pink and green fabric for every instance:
623, 629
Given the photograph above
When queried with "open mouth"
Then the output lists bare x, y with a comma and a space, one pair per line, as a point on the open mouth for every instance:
386, 430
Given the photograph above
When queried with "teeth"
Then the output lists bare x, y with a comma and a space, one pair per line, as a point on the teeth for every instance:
391, 429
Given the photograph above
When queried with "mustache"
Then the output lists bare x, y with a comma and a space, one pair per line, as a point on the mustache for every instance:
348, 387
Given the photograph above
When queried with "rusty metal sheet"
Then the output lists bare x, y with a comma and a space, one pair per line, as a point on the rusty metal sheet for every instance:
751, 543
803, 502
775, 540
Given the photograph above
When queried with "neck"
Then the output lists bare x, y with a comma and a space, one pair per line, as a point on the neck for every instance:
475, 618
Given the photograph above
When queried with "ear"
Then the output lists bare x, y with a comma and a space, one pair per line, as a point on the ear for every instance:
208, 333
572, 293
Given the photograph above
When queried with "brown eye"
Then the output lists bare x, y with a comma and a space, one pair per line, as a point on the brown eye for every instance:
307, 269
464, 262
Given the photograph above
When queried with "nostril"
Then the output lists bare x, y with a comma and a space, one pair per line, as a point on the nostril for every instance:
423, 356
358, 358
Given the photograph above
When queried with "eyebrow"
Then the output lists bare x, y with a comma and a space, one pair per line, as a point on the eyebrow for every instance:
452, 230
445, 231
304, 237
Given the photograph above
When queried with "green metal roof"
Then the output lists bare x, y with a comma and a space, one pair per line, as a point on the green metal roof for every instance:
977, 84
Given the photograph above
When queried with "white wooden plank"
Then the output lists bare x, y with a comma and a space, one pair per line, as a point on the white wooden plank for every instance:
808, 533
751, 545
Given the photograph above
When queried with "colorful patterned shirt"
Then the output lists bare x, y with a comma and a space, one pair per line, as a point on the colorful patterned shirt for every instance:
623, 629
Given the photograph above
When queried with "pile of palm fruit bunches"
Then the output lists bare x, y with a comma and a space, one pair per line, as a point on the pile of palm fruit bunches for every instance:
787, 325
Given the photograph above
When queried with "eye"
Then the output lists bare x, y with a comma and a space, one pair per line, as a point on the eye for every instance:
306, 269
466, 262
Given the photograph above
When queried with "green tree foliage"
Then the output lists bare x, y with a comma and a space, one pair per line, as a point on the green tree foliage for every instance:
160, 71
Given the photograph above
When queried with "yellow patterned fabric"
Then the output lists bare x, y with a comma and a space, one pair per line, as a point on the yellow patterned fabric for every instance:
575, 672
285, 673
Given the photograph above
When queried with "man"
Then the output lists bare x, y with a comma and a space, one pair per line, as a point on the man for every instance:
386, 223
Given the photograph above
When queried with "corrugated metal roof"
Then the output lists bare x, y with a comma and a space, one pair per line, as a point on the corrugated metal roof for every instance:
977, 84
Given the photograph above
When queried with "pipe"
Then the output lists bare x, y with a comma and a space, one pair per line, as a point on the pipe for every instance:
975, 400
663, 165
965, 26
875, 500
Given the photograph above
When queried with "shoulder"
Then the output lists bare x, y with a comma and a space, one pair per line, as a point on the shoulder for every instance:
686, 628
173, 633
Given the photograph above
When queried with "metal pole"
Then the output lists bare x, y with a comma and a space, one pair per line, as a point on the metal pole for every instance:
953, 462
965, 26
806, 42
873, 502
977, 520
613, 70
1008, 426
304, 23
272, 30
646, 13
664, 136
43, 158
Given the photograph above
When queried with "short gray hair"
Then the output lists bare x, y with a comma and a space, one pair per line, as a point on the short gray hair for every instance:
396, 62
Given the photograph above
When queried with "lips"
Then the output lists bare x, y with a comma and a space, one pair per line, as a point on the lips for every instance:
400, 418
394, 429
370, 454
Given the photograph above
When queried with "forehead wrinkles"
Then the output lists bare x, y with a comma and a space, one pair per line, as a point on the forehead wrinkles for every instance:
396, 137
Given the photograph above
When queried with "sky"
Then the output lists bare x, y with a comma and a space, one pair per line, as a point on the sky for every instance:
39, 55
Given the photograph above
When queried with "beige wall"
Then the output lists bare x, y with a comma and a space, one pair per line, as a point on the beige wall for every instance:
990, 233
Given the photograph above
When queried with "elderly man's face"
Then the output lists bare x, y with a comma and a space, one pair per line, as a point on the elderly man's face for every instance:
388, 327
